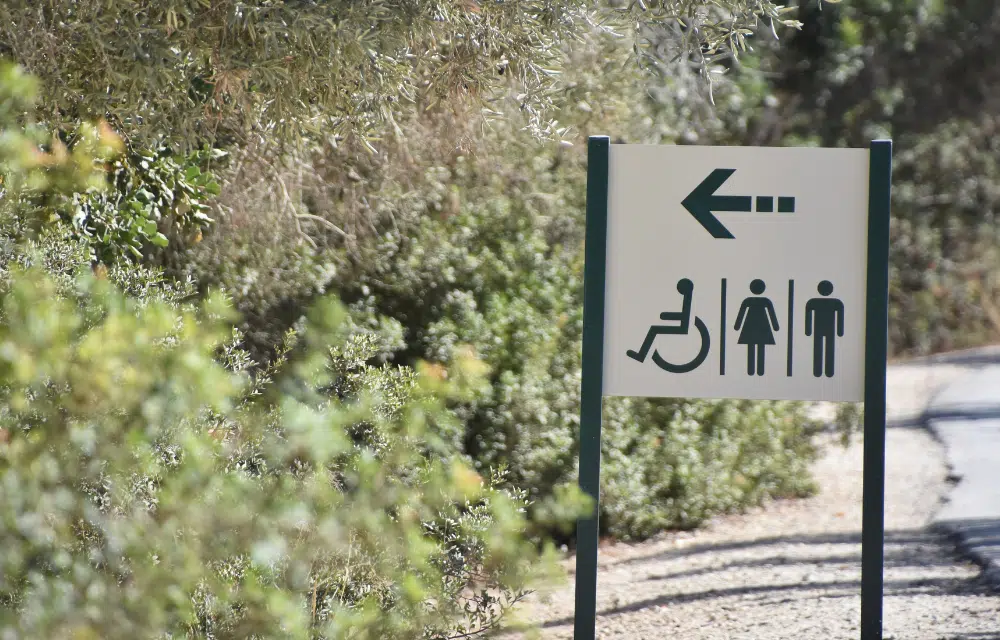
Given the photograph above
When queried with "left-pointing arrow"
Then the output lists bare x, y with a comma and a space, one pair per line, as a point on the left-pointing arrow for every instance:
702, 201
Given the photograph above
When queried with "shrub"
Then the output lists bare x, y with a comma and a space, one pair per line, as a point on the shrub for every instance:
504, 276
676, 463
147, 491
465, 237
117, 204
269, 272
149, 193
191, 71
945, 263
918, 72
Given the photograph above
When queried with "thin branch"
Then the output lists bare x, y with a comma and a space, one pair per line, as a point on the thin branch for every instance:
323, 221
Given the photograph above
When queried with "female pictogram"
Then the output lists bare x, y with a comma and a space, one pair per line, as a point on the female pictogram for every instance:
758, 323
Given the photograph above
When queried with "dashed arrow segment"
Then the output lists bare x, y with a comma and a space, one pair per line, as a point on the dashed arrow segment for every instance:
702, 203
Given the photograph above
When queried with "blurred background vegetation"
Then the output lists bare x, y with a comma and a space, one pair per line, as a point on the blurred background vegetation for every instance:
424, 163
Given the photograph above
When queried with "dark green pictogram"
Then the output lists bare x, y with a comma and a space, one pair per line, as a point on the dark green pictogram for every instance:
825, 322
683, 317
703, 203
758, 322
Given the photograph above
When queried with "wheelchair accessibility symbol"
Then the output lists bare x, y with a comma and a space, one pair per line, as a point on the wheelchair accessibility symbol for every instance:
686, 288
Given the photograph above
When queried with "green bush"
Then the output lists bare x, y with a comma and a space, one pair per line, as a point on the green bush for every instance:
149, 193
916, 71
459, 237
504, 275
190, 71
151, 486
146, 490
945, 268
117, 203
40, 175
676, 463
269, 272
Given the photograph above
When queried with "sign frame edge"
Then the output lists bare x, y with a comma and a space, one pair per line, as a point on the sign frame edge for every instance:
592, 382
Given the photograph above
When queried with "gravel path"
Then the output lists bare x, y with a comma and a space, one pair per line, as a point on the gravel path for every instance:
792, 569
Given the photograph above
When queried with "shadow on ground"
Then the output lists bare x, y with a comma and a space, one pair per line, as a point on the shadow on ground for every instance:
964, 413
903, 549
978, 539
906, 537
978, 357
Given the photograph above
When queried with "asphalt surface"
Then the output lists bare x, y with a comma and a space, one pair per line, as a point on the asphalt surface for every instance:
965, 417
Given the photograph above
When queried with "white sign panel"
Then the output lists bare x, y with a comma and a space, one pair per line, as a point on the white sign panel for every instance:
736, 272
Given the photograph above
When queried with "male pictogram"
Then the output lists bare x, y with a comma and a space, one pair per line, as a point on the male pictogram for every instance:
825, 322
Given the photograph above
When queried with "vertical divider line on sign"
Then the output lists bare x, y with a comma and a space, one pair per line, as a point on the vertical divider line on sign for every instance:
791, 324
722, 332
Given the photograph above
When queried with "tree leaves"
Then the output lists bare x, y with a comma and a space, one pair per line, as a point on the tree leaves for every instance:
190, 71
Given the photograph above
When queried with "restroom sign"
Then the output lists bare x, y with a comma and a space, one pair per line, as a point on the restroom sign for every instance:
736, 272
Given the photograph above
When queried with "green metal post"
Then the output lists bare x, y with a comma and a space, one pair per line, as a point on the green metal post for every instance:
592, 385
876, 329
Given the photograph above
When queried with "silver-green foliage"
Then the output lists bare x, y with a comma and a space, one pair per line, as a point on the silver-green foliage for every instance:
920, 72
504, 275
146, 490
466, 237
116, 207
151, 487
194, 69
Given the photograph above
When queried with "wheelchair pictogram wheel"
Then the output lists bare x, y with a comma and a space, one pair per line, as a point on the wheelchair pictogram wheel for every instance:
698, 359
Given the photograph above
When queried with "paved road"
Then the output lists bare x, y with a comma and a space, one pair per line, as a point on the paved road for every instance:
965, 417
